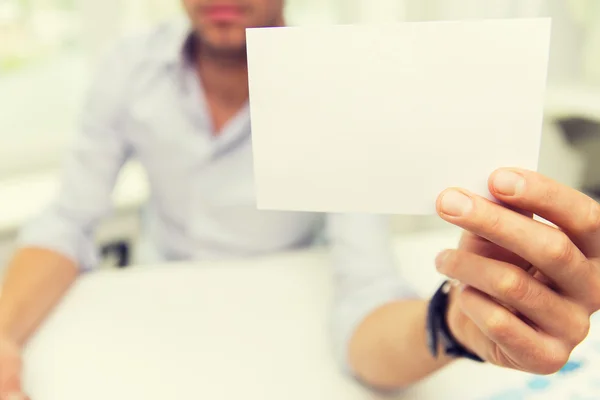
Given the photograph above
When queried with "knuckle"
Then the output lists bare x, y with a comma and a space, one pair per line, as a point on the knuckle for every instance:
592, 286
514, 285
550, 361
559, 248
580, 327
595, 304
595, 299
550, 367
498, 325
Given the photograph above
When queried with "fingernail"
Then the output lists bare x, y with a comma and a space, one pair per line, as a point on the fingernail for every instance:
455, 203
508, 183
15, 396
439, 260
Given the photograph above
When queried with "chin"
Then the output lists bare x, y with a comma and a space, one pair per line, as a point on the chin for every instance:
225, 41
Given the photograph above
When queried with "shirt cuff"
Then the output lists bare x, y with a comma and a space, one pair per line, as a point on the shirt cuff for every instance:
51, 232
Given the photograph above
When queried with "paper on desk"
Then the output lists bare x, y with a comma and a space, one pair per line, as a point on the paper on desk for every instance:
381, 119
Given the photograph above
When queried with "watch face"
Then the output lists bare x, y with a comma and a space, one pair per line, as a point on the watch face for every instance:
447, 286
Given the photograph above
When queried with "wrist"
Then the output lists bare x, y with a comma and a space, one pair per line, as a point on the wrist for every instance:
6, 339
9, 350
444, 325
7, 335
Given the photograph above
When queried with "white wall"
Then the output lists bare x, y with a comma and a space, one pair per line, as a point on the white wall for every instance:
39, 106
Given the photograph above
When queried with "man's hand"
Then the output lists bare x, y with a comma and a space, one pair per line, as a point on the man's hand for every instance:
10, 371
529, 288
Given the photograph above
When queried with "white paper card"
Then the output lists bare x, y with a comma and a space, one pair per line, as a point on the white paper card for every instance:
381, 119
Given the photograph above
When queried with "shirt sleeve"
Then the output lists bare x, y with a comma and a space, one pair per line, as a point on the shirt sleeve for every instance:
365, 274
90, 171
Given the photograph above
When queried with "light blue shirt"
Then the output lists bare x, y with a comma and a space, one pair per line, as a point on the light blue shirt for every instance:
147, 103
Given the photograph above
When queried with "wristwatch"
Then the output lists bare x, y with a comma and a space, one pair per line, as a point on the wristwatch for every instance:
438, 330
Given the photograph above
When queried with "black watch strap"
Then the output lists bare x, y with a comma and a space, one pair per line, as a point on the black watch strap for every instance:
438, 331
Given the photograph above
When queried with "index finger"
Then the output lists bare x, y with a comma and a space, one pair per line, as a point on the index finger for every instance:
574, 212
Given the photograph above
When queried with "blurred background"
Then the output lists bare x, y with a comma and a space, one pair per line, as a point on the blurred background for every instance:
48, 48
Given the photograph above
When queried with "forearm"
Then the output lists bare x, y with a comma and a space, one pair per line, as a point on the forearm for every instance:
389, 349
35, 281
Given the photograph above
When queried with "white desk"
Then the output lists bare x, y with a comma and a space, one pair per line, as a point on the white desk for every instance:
224, 330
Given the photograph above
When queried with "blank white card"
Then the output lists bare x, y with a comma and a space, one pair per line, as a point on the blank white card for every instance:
382, 119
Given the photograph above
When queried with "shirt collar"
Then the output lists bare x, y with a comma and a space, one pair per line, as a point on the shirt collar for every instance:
179, 47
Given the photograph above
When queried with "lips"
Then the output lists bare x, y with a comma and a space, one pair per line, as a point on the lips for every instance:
224, 13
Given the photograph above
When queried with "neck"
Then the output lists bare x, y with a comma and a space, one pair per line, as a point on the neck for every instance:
224, 79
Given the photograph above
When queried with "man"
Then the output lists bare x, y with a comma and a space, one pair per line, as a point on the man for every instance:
178, 102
